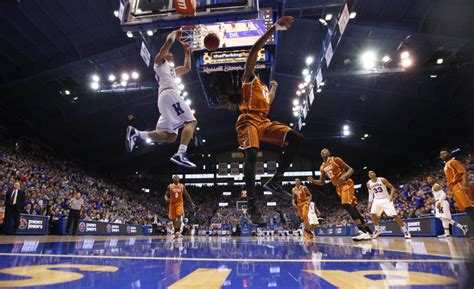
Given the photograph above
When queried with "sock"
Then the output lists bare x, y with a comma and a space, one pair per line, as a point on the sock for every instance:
446, 231
143, 134
250, 163
294, 141
457, 225
404, 229
182, 148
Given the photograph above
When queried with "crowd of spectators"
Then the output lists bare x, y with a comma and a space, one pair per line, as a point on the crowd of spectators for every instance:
50, 184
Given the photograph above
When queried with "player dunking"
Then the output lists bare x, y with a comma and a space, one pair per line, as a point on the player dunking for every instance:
458, 182
175, 113
380, 200
443, 212
339, 172
301, 200
174, 195
253, 126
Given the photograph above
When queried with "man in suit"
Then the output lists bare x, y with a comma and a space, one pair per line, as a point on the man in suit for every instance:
13, 206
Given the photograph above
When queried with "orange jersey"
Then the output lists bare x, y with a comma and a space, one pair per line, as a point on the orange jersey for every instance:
333, 168
454, 170
255, 97
301, 195
176, 193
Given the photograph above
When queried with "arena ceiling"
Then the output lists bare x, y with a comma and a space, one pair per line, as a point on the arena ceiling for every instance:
50, 46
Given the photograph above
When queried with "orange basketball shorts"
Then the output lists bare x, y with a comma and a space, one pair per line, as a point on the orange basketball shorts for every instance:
461, 197
347, 193
253, 128
176, 210
303, 209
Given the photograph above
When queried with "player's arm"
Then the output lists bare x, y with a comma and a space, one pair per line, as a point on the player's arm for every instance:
273, 89
165, 49
320, 182
249, 72
308, 193
167, 195
293, 199
371, 197
186, 67
393, 190
347, 174
188, 197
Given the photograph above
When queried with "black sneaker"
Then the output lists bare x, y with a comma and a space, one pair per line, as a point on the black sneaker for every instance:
277, 189
255, 217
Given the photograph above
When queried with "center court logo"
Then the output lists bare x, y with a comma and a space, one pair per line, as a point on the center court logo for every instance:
23, 224
82, 227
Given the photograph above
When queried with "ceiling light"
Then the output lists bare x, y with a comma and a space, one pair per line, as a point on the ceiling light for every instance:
345, 127
353, 15
307, 78
75, 98
366, 135
305, 71
301, 86
95, 85
386, 59
112, 78
149, 33
67, 92
296, 113
129, 34
125, 76
296, 101
298, 93
181, 86
328, 17
303, 91
368, 59
406, 62
123, 83
291, 124
177, 80
322, 83
95, 78
346, 132
362, 138
197, 128
185, 93
322, 21
365, 168
439, 61
193, 111
188, 102
318, 90
148, 140
135, 75
116, 13
304, 124
309, 60
404, 54
203, 140
433, 75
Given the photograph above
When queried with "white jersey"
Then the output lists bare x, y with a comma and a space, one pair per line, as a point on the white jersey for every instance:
166, 76
439, 195
377, 190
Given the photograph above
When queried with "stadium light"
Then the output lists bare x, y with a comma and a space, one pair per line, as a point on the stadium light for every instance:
365, 168
433, 75
75, 98
296, 101
307, 79
123, 83
386, 59
197, 128
125, 76
319, 90
148, 140
193, 111
95, 78
203, 140
291, 124
185, 93
129, 34
368, 59
301, 85
305, 71
303, 90
181, 86
366, 135
352, 15
116, 13
322, 21
328, 17
135, 75
345, 127
296, 113
406, 62
404, 54
309, 60
112, 78
188, 101
346, 133
67, 92
149, 33
177, 80
304, 124
322, 83
298, 93
95, 85
439, 61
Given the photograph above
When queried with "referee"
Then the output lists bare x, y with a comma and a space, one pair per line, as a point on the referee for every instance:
75, 207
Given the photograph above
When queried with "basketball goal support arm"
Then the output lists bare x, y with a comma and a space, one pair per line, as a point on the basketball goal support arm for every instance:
249, 72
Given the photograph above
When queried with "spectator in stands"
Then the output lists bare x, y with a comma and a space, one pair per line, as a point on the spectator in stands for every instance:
75, 207
27, 210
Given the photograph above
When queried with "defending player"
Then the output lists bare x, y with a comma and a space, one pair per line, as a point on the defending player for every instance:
339, 172
175, 113
380, 200
253, 126
301, 200
174, 196
443, 212
458, 182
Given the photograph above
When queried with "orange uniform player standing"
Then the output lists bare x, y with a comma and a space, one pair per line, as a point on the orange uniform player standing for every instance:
458, 182
174, 195
301, 199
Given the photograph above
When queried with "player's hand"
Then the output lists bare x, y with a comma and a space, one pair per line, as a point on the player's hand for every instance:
193, 205
438, 205
186, 46
176, 34
285, 21
310, 179
274, 83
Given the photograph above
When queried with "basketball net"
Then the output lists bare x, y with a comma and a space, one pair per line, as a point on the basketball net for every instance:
194, 35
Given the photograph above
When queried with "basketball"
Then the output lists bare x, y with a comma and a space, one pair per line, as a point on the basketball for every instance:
211, 41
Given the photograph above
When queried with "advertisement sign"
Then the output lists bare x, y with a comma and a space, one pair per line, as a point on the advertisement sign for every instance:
102, 228
333, 231
32, 224
344, 19
232, 56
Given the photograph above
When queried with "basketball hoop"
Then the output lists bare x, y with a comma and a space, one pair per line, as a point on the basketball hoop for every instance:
194, 35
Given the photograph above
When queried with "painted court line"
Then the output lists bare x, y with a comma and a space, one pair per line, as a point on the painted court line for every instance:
234, 260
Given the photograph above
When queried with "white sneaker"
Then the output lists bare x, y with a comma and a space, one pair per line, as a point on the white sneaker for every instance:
131, 138
465, 229
362, 237
376, 234
444, 236
407, 235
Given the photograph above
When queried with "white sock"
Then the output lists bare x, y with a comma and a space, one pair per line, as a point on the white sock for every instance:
446, 231
458, 225
404, 229
182, 148
377, 228
143, 134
